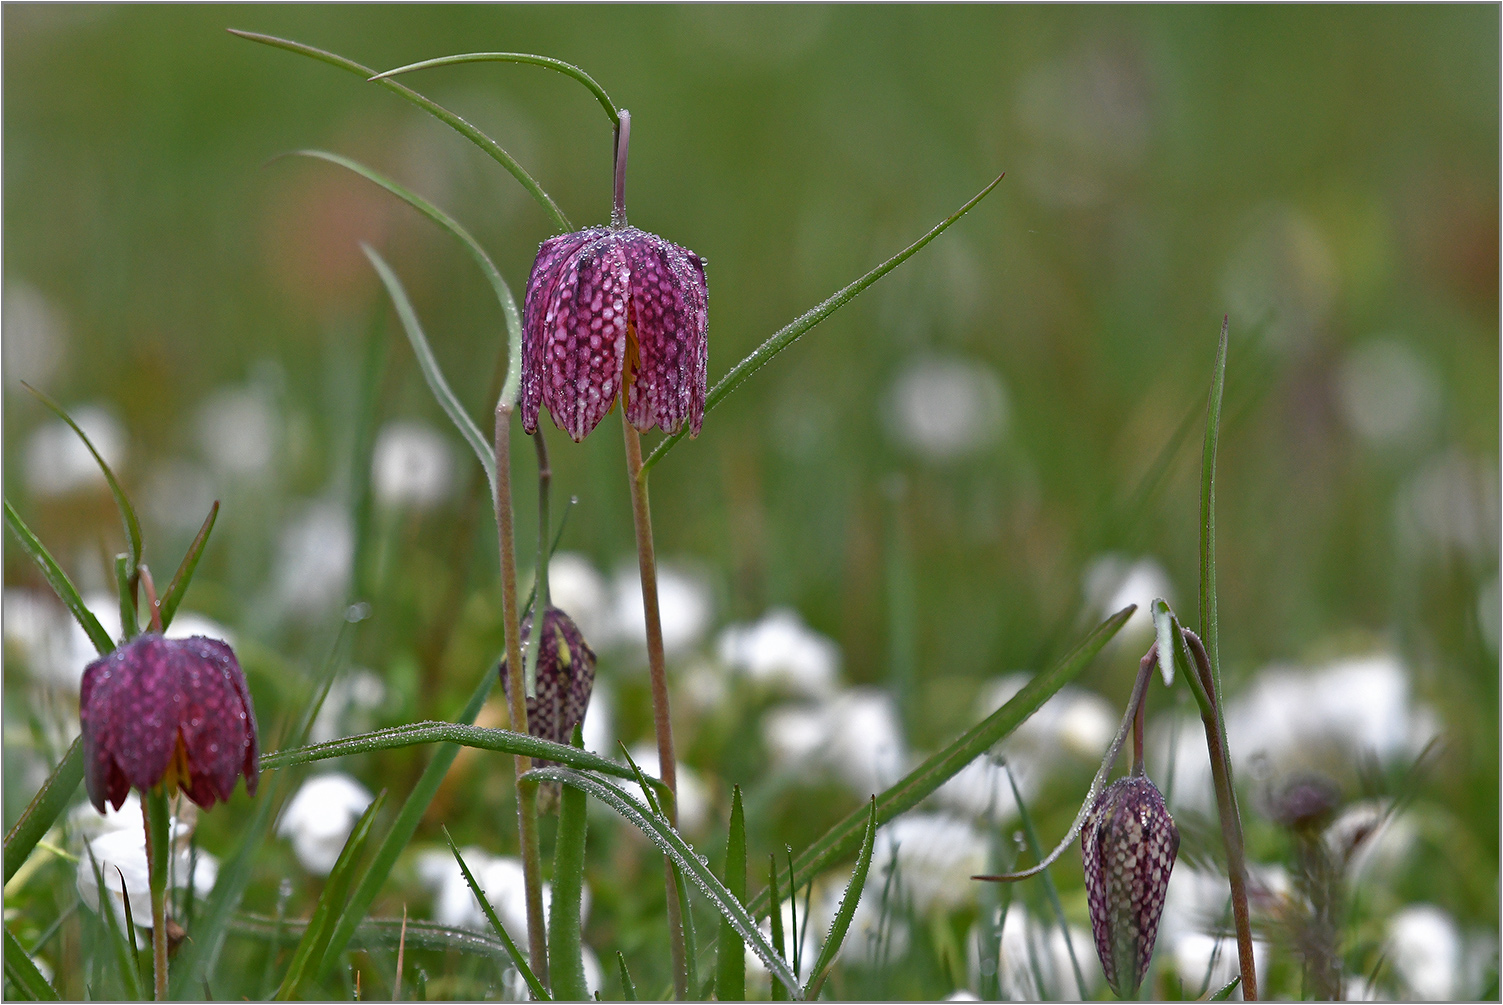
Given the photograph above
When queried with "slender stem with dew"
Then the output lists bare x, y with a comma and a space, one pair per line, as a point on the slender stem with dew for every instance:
154, 816
623, 143
153, 604
541, 598
527, 809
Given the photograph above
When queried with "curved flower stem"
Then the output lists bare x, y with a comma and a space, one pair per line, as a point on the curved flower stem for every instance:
154, 606
527, 807
154, 816
1226, 806
623, 143
662, 723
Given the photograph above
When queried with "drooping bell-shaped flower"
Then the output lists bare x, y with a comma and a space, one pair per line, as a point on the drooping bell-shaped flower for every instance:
167, 711
565, 678
1128, 848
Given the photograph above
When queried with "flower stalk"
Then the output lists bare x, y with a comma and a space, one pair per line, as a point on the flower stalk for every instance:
155, 818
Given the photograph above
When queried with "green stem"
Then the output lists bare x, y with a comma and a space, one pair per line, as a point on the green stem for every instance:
527, 805
154, 815
658, 672
541, 598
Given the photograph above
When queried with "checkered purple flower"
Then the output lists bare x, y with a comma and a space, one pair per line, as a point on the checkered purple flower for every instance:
566, 676
167, 711
1128, 847
610, 312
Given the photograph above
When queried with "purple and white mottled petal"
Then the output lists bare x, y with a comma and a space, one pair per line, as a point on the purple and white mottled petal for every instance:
541, 286
668, 301
584, 336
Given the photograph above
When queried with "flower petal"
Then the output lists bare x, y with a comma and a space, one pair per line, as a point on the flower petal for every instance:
541, 286
669, 301
127, 713
216, 723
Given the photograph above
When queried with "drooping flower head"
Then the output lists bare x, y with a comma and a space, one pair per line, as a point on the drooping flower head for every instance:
169, 711
1128, 848
566, 676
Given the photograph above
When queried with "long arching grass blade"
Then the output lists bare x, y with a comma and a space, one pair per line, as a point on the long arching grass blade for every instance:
517, 959
657, 830
847, 910
127, 512
431, 372
433, 108
46, 806
24, 974
184, 575
567, 69
59, 581
730, 963
492, 275
1210, 635
792, 331
565, 944
376, 933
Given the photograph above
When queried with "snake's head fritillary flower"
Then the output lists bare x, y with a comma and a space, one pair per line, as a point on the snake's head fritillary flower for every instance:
165, 711
1128, 847
566, 676
611, 312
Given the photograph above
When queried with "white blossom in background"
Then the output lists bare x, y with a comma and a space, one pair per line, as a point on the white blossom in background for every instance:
36, 336
855, 736
1425, 950
319, 818
1193, 953
598, 731
578, 589
1113, 580
935, 854
238, 431
177, 495
1028, 942
58, 463
693, 794
944, 409
781, 651
1389, 395
981, 790
412, 465
685, 607
1372, 839
348, 706
1196, 915
499, 876
1450, 505
314, 557
120, 844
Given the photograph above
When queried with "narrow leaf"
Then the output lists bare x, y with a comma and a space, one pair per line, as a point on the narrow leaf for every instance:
493, 275
1050, 890
568, 69
628, 986
1209, 635
847, 909
730, 963
24, 974
127, 512
517, 959
431, 372
658, 831
59, 581
45, 807
125, 959
459, 125
565, 941
775, 920
1226, 992
377, 933
311, 956
795, 329
128, 627
184, 575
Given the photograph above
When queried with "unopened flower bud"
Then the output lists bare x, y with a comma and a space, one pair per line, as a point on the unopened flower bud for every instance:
1128, 848
566, 676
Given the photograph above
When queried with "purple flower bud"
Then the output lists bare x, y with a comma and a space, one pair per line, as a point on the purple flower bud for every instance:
608, 310
172, 711
566, 675
1128, 847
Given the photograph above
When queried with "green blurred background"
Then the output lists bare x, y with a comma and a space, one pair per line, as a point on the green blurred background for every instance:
1328, 177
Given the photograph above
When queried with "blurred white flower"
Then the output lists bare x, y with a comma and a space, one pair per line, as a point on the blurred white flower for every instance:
411, 465
314, 556
684, 608
318, 820
1033, 947
499, 876
347, 707
58, 463
1372, 839
238, 431
1113, 580
598, 734
1451, 503
981, 790
1388, 394
1193, 953
123, 847
943, 409
936, 855
578, 589
36, 336
854, 735
961, 995
1425, 950
781, 651
693, 795
177, 495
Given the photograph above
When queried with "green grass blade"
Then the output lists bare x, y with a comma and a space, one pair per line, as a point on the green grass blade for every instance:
779, 993
376, 933
845, 836
1209, 634
184, 575
1226, 992
127, 512
45, 807
1175, 652
128, 627
459, 125
565, 940
730, 962
1050, 890
628, 986
847, 909
59, 581
311, 956
795, 329
24, 974
658, 831
567, 69
126, 960
517, 959
511, 315
691, 948
431, 372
